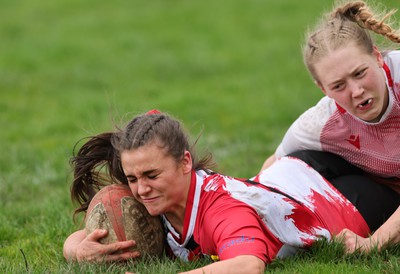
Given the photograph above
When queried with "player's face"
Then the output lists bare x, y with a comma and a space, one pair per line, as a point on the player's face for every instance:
355, 80
156, 179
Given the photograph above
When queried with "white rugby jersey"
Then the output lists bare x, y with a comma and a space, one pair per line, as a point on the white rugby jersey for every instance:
374, 147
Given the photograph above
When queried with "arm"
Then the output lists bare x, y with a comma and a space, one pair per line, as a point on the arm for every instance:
81, 247
271, 159
246, 264
388, 233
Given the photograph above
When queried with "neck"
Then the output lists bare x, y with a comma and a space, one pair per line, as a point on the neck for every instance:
176, 221
176, 216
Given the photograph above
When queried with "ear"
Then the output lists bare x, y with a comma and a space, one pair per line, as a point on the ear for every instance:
187, 162
378, 56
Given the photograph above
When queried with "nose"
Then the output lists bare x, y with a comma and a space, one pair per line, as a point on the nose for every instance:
143, 187
356, 89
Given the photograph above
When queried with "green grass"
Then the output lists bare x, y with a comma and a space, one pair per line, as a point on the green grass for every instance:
69, 69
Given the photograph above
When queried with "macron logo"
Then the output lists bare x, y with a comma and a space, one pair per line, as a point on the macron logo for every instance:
354, 140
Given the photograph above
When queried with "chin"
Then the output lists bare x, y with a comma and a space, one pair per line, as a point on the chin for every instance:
371, 120
153, 212
370, 117
375, 117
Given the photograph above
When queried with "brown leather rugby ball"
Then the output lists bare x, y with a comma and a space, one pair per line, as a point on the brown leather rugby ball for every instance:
115, 209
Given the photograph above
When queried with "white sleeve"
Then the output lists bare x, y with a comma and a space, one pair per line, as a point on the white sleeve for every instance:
305, 132
392, 59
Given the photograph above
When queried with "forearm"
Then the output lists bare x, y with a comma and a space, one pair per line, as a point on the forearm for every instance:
71, 243
389, 232
268, 162
246, 264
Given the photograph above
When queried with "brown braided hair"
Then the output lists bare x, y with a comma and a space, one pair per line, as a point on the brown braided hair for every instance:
348, 23
97, 163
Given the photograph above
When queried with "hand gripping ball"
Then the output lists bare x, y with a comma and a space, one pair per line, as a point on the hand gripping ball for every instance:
115, 209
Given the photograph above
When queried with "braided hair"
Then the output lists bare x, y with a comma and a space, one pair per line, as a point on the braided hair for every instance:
98, 162
348, 23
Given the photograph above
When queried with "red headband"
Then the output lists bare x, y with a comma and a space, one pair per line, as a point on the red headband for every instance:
153, 111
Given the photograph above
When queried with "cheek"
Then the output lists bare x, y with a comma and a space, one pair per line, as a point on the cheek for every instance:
343, 99
380, 86
339, 97
133, 188
375, 80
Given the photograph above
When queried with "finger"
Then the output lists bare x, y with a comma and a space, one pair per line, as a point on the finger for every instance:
120, 246
97, 234
122, 256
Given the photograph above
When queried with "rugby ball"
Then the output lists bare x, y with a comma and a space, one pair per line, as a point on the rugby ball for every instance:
115, 209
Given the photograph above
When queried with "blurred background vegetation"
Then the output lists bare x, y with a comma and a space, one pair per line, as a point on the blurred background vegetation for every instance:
230, 70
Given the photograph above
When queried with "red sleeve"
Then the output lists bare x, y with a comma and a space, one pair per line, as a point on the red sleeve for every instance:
231, 228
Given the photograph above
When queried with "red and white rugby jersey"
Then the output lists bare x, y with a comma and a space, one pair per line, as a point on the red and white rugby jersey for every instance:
283, 209
374, 147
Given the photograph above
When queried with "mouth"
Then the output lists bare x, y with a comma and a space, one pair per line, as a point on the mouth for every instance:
148, 200
365, 104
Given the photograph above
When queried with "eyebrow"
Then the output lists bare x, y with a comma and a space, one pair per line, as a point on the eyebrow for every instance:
352, 72
147, 172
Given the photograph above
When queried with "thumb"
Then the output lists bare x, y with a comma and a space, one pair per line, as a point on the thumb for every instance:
97, 234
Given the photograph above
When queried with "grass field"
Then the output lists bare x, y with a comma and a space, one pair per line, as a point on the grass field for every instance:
69, 69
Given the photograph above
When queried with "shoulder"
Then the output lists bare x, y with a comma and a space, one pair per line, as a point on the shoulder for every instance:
305, 132
392, 60
318, 114
220, 204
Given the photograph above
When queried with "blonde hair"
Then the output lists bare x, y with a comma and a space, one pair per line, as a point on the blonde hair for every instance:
348, 23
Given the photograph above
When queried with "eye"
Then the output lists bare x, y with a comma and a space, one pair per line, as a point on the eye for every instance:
131, 179
153, 176
337, 86
360, 73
